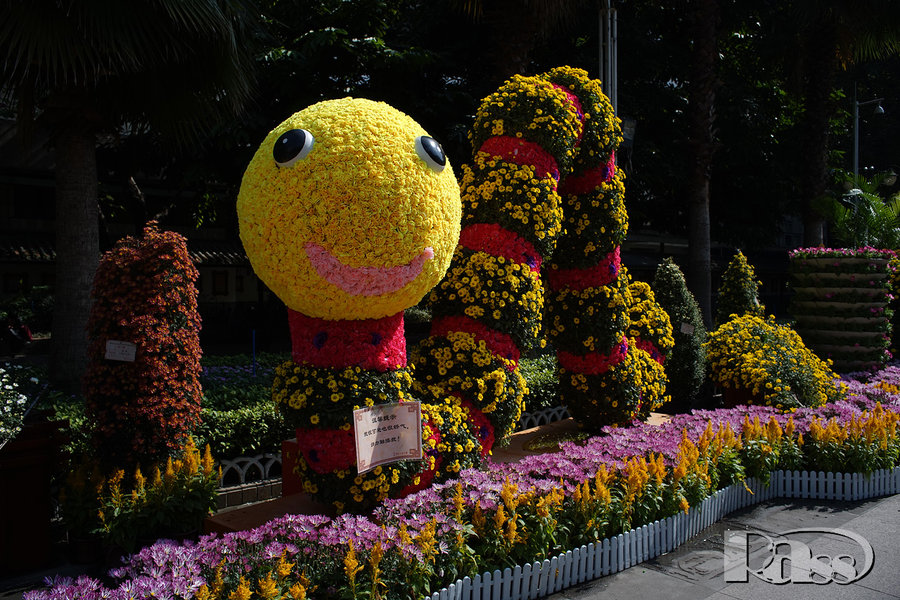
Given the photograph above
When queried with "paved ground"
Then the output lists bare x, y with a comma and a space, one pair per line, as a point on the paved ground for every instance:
695, 570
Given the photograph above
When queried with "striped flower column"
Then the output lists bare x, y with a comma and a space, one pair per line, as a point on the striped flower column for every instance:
605, 376
491, 300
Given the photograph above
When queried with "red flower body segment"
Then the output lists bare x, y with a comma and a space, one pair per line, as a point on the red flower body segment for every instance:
593, 363
375, 344
603, 273
651, 349
588, 180
498, 241
327, 450
522, 152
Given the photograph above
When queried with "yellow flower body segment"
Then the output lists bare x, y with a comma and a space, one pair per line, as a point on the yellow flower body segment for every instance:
363, 195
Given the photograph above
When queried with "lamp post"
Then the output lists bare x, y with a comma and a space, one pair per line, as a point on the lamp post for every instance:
879, 110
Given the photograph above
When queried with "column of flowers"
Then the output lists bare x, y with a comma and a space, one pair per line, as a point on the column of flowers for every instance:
842, 302
144, 294
488, 309
350, 214
538, 140
607, 375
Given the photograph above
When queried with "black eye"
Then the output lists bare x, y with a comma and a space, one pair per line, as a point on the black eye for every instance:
292, 146
431, 152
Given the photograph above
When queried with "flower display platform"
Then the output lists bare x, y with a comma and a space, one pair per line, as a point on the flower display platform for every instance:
527, 442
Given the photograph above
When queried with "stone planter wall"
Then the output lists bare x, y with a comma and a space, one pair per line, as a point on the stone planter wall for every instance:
841, 309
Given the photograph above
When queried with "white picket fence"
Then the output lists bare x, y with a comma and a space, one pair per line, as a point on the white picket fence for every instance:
625, 550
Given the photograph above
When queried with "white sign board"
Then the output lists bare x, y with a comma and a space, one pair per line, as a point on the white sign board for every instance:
123, 351
387, 433
687, 328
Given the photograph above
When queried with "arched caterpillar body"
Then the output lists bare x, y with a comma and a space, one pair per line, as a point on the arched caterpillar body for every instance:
537, 260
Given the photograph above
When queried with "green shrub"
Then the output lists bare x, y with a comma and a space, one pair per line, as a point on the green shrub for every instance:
543, 382
739, 292
244, 431
686, 362
265, 361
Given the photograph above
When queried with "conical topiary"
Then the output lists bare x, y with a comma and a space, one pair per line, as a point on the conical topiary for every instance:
739, 292
686, 362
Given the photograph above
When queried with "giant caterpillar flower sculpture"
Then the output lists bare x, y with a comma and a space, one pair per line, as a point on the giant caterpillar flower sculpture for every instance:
350, 213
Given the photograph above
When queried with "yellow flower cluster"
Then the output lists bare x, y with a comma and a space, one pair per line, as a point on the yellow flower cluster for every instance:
591, 320
494, 191
739, 292
363, 195
327, 397
632, 389
324, 399
457, 445
646, 318
531, 109
876, 428
279, 583
459, 365
602, 131
770, 360
596, 223
502, 294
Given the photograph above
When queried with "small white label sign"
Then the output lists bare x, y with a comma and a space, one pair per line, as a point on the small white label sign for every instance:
387, 433
687, 328
123, 351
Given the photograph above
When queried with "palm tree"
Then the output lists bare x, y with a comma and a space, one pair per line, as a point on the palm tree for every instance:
833, 34
702, 145
90, 68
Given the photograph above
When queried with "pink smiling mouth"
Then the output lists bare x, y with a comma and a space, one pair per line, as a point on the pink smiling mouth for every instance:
365, 281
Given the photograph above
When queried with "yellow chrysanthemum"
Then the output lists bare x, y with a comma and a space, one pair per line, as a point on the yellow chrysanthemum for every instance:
361, 226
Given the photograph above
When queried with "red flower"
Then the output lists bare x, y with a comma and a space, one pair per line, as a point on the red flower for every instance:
522, 152
496, 240
327, 450
651, 349
377, 344
593, 363
497, 342
589, 180
481, 426
576, 106
603, 273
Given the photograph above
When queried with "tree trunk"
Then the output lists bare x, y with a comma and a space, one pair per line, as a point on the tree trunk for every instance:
77, 252
702, 146
514, 32
819, 65
699, 263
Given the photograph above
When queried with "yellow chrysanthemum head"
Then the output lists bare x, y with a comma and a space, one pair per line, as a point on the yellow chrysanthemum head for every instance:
349, 210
